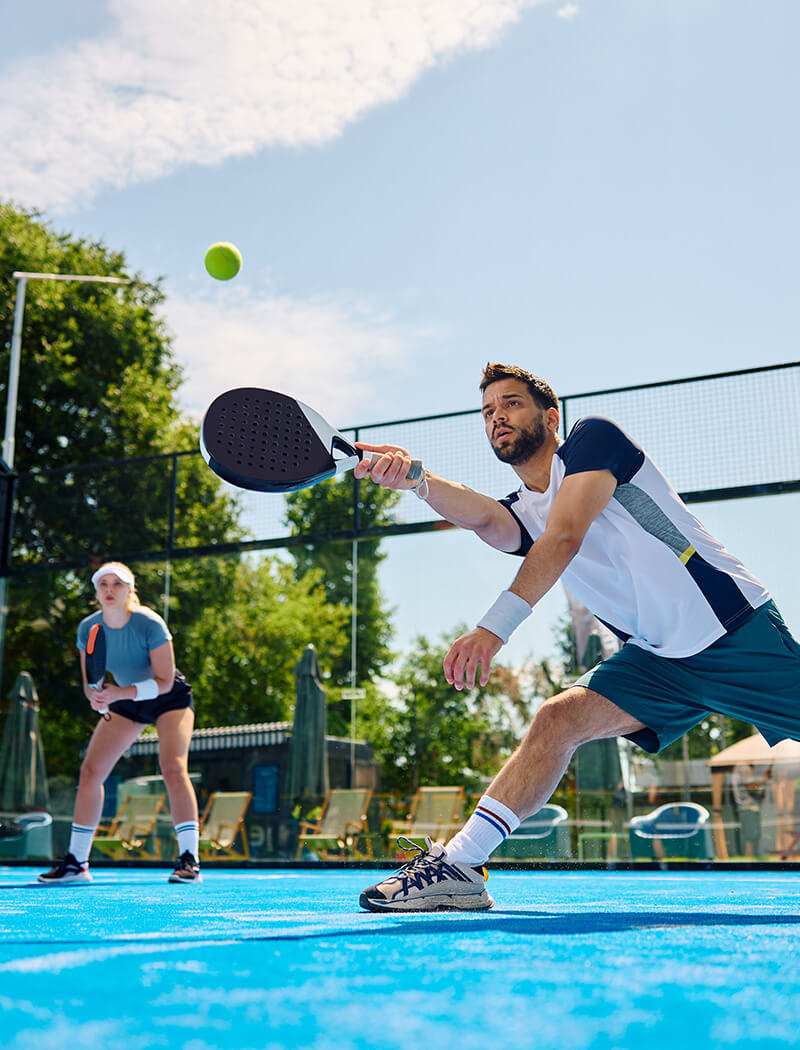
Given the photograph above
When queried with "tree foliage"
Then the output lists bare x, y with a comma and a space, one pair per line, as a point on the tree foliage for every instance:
325, 510
97, 384
269, 618
98, 377
435, 734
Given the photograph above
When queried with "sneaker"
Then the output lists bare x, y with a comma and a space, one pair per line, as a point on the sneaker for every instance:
187, 869
429, 882
66, 871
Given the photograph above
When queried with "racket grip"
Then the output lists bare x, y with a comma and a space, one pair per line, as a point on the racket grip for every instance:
415, 471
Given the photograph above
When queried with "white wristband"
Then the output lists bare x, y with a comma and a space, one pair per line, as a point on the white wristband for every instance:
420, 490
505, 615
146, 690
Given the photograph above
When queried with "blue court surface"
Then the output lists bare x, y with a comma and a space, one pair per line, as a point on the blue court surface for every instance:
269, 959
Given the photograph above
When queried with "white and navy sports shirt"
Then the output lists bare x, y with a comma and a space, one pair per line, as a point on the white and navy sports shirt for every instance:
647, 567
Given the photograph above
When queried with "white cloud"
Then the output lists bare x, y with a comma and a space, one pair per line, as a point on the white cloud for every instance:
199, 81
330, 353
568, 12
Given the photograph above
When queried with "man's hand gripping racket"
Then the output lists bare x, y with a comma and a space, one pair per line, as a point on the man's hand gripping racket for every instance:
269, 442
96, 663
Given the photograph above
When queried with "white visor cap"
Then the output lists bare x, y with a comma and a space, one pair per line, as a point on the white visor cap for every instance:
118, 570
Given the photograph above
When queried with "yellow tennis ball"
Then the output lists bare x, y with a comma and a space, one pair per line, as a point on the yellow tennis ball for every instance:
223, 260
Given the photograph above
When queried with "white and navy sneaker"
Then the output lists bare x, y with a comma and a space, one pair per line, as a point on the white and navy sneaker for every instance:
187, 869
66, 871
429, 882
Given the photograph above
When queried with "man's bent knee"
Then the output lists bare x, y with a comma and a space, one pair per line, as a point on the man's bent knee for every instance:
578, 715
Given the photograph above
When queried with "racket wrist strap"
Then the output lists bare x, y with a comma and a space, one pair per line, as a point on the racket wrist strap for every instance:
505, 615
146, 690
421, 490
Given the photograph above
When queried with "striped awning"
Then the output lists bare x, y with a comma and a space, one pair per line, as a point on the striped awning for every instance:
222, 738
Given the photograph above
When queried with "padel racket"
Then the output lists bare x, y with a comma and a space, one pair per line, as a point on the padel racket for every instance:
96, 660
269, 442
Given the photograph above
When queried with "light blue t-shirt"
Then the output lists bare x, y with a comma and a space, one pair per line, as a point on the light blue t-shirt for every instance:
128, 648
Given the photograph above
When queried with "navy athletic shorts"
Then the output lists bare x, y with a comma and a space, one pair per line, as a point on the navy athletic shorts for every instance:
753, 673
147, 712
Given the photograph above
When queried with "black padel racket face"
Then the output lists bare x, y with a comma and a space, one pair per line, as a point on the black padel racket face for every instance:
269, 442
96, 660
96, 657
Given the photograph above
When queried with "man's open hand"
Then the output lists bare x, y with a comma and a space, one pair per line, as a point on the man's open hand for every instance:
467, 654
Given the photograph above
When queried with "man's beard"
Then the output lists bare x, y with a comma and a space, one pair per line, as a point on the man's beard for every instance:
526, 444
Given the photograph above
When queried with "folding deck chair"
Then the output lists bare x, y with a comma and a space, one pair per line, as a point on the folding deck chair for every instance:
436, 812
342, 822
222, 823
131, 829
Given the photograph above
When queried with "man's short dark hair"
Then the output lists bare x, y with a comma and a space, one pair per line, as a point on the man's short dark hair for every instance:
541, 392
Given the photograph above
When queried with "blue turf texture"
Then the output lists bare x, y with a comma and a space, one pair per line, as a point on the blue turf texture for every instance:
272, 959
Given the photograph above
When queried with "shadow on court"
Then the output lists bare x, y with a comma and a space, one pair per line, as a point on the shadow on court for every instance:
518, 923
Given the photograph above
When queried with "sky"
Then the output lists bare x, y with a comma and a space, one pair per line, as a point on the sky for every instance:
603, 191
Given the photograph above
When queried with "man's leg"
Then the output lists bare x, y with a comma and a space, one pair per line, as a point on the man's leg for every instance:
529, 778
560, 726
454, 877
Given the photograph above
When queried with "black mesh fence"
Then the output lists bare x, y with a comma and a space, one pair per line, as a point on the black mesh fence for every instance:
715, 437
710, 434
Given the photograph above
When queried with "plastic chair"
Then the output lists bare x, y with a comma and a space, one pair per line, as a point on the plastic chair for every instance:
342, 821
222, 823
545, 834
131, 829
677, 829
436, 812
34, 837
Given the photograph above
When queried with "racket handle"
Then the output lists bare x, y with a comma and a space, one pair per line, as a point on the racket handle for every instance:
415, 471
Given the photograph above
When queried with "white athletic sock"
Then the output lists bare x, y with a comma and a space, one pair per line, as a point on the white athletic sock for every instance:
80, 842
188, 836
489, 825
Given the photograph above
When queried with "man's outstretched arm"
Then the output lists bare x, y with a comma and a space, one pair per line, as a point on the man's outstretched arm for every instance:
456, 503
578, 502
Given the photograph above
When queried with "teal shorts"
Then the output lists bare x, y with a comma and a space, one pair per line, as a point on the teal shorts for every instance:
752, 674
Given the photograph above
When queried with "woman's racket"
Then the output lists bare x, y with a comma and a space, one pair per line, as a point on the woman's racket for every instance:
96, 661
269, 442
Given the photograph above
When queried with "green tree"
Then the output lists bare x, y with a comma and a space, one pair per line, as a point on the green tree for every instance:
98, 377
435, 734
98, 383
325, 511
243, 663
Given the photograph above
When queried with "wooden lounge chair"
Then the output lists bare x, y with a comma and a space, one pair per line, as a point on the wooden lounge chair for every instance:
131, 829
342, 822
222, 824
436, 813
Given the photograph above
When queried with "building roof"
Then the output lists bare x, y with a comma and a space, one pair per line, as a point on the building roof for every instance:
222, 738
229, 738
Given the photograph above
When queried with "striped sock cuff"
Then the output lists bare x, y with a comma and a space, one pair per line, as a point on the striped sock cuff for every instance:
502, 819
188, 834
80, 842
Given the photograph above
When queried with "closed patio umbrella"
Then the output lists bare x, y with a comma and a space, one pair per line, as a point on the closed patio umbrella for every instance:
308, 756
23, 781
